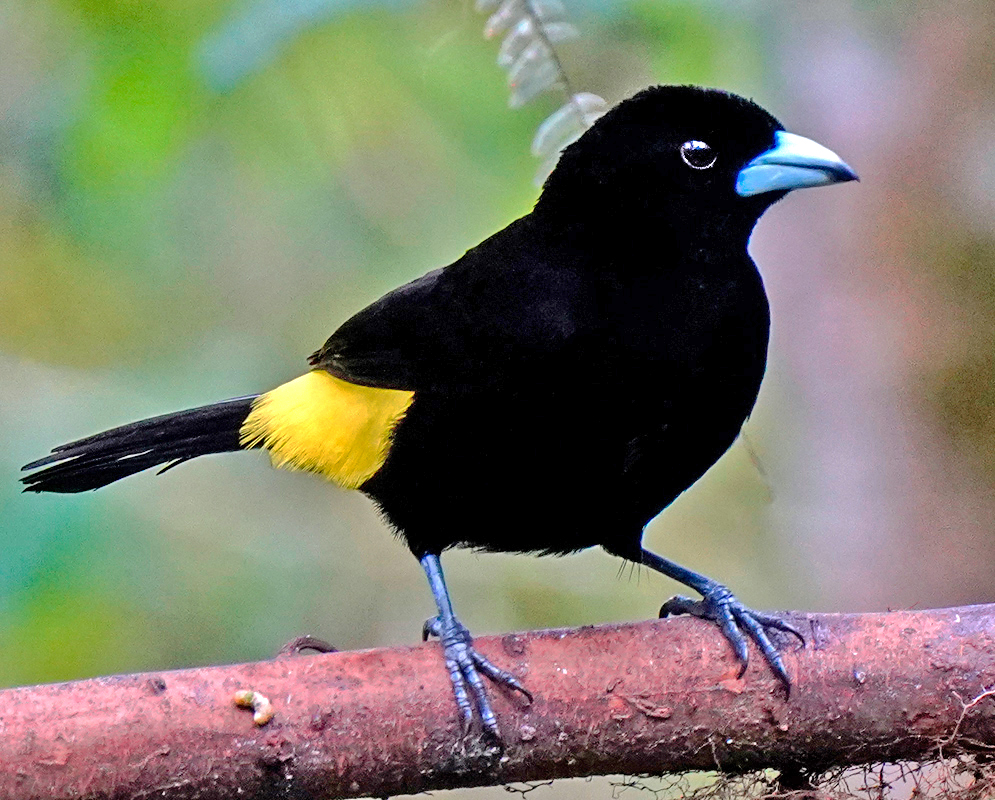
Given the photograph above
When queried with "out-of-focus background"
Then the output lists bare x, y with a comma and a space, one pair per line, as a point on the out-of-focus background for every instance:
193, 195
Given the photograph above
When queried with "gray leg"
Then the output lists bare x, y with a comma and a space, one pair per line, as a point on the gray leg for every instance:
736, 621
464, 663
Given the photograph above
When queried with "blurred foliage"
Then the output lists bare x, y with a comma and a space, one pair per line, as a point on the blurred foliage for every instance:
691, 40
964, 386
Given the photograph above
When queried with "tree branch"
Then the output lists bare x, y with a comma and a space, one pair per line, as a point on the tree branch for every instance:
652, 697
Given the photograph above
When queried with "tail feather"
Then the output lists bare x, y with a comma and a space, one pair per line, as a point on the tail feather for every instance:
111, 455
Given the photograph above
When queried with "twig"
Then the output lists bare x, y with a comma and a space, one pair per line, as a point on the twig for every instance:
646, 698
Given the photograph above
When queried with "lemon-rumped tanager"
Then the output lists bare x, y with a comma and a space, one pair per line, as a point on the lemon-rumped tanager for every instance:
557, 386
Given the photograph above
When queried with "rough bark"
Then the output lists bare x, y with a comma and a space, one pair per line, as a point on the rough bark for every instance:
651, 697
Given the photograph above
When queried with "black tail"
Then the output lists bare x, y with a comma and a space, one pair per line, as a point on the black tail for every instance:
170, 439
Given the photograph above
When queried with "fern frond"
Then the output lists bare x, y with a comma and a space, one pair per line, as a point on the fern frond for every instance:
531, 28
563, 126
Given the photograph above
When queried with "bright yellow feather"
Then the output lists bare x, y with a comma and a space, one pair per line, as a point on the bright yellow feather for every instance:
322, 424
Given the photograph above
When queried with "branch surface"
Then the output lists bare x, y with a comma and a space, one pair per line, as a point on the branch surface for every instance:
643, 698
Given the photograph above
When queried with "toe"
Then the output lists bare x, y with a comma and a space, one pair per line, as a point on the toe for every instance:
461, 694
431, 627
778, 624
500, 676
738, 623
678, 605
731, 630
756, 631
467, 659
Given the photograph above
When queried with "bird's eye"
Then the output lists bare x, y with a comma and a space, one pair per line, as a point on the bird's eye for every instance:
697, 155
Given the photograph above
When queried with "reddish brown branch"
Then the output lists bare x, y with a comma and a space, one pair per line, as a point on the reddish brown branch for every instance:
645, 698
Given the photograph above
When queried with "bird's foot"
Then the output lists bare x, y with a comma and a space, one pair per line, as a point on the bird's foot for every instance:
465, 666
737, 622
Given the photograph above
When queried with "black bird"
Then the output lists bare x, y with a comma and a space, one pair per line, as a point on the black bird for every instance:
557, 386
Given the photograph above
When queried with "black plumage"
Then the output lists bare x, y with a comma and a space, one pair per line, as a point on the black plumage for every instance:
577, 371
169, 439
569, 376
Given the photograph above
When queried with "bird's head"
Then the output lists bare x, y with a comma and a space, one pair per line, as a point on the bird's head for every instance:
688, 156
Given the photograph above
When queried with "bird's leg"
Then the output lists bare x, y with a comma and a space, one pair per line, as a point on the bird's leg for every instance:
464, 663
736, 621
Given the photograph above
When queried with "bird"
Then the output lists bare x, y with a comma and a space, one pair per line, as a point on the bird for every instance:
553, 389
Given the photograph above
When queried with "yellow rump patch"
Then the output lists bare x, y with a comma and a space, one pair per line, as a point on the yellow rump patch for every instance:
322, 424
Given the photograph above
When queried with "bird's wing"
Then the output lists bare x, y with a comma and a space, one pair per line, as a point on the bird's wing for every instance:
383, 345
499, 313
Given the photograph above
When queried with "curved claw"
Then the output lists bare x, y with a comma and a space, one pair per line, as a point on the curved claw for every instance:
500, 676
465, 666
778, 624
736, 622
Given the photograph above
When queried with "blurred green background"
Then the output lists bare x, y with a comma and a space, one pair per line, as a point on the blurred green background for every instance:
193, 195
